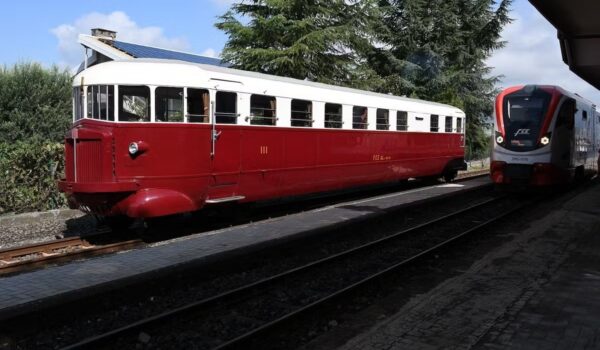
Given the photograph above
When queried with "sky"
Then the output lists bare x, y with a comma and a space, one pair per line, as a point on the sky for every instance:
46, 32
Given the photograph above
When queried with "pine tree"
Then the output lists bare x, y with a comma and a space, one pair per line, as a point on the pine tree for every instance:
437, 50
429, 49
318, 40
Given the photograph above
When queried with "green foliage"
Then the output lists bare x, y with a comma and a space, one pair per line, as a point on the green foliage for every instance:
318, 40
35, 112
35, 103
28, 174
429, 49
437, 50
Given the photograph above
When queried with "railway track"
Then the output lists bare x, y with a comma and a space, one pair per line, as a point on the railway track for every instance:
238, 317
33, 256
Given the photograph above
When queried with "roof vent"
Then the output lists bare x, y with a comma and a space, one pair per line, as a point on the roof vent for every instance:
104, 33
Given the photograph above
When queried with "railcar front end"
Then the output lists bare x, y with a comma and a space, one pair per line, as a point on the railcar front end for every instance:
543, 135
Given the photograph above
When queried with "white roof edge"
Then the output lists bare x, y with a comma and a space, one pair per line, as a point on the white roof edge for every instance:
98, 46
227, 70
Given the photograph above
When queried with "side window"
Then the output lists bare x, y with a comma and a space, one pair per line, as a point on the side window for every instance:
360, 117
78, 102
584, 115
168, 104
459, 125
100, 102
226, 108
134, 103
434, 125
301, 113
401, 121
262, 110
383, 119
90, 101
333, 115
198, 105
448, 125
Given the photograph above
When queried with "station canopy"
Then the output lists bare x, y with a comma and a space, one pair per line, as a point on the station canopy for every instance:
578, 33
102, 46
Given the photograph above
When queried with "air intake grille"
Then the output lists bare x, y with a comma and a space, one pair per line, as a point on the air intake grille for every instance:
88, 156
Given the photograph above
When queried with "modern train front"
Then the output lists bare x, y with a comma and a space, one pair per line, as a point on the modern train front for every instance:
531, 124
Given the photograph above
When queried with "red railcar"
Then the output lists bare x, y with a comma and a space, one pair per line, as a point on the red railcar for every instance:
159, 137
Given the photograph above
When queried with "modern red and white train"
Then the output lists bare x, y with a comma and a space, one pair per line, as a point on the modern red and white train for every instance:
543, 135
158, 137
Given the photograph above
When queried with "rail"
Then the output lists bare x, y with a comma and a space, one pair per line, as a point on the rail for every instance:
245, 296
29, 257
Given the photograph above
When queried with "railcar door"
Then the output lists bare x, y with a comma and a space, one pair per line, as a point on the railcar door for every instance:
225, 149
563, 135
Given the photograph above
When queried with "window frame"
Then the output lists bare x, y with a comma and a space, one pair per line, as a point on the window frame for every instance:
398, 118
433, 128
327, 122
234, 115
254, 119
446, 127
387, 119
309, 121
206, 117
148, 105
158, 101
358, 123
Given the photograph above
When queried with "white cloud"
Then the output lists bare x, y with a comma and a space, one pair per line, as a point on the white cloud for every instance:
127, 30
210, 52
532, 56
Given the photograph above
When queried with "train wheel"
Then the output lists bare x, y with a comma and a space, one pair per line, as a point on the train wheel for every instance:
117, 223
450, 176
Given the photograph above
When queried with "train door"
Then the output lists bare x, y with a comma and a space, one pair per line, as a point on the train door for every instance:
225, 148
564, 135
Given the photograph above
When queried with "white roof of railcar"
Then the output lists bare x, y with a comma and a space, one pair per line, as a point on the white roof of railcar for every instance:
164, 72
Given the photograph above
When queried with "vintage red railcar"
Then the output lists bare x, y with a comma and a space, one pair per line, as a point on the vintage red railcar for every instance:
158, 137
543, 135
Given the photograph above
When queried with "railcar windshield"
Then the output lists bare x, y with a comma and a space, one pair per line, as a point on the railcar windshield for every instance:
524, 113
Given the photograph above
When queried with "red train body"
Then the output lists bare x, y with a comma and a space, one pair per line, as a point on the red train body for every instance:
183, 166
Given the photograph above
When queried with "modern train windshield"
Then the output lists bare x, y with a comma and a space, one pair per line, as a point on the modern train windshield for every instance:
523, 118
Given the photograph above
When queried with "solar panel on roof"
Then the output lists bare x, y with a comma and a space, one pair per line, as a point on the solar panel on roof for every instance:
140, 51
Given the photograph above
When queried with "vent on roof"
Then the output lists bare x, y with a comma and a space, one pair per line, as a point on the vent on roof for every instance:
104, 33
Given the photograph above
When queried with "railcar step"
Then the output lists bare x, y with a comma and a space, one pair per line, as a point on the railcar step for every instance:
224, 199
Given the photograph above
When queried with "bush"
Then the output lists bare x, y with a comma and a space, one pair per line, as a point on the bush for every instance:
28, 175
35, 103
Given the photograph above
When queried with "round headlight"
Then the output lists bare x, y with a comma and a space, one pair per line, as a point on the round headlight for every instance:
545, 140
499, 139
133, 148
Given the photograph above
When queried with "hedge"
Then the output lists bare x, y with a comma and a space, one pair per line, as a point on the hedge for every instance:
28, 175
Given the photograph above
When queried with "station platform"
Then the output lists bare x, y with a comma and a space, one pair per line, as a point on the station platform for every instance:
56, 285
538, 290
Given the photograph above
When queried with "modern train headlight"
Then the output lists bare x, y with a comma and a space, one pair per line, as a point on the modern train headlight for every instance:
133, 148
500, 139
545, 140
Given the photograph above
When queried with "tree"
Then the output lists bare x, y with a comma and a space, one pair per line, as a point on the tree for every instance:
35, 103
429, 49
436, 50
318, 40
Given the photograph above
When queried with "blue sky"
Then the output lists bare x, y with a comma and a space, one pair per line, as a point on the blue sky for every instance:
46, 31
